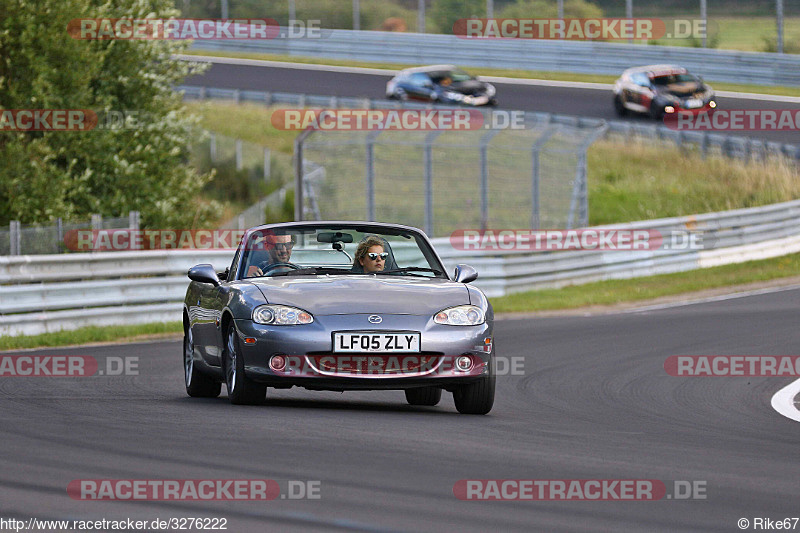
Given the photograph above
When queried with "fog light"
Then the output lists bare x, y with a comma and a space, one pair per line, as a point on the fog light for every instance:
277, 363
669, 109
464, 363
712, 104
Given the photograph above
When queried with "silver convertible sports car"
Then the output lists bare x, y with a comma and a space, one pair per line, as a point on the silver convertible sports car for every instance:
339, 306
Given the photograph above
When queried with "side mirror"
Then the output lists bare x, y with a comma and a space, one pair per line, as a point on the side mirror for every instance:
204, 274
465, 274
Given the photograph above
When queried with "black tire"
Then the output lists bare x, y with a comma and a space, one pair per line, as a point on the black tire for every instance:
424, 396
656, 112
476, 398
619, 107
241, 390
198, 385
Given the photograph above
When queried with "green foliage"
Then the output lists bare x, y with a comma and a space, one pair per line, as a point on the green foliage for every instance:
444, 13
549, 9
106, 170
331, 13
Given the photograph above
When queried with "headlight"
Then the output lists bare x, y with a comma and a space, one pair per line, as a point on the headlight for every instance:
281, 315
463, 315
490, 90
450, 95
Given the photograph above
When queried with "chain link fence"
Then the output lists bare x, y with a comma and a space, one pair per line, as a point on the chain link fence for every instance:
447, 180
35, 239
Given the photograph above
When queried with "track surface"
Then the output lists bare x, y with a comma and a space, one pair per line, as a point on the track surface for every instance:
563, 100
594, 403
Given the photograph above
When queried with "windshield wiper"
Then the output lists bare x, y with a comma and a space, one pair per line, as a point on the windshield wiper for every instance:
411, 269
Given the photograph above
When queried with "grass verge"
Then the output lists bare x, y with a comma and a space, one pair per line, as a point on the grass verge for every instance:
632, 290
91, 334
508, 73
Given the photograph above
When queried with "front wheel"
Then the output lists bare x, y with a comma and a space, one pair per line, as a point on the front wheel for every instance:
197, 385
619, 107
424, 396
241, 390
476, 398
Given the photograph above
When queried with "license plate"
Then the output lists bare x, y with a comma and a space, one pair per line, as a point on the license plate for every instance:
691, 103
375, 342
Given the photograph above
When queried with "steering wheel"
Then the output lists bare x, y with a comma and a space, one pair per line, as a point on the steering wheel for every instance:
266, 266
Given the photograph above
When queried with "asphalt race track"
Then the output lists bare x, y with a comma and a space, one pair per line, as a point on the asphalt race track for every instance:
563, 100
594, 402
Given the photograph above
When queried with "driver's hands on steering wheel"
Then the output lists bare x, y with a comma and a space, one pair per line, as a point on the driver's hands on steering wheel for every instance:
266, 266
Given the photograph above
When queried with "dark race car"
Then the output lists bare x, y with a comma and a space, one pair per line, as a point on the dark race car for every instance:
440, 83
659, 90
339, 306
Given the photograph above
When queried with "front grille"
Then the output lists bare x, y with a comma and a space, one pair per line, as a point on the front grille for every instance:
376, 363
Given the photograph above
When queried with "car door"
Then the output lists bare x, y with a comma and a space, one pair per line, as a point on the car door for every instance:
421, 87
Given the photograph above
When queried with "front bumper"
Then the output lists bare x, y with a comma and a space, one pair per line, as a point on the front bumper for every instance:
310, 362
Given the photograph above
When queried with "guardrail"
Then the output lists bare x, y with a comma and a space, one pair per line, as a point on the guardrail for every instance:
728, 145
760, 68
47, 293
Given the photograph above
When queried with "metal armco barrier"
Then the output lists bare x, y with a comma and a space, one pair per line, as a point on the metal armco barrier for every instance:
51, 292
728, 145
760, 68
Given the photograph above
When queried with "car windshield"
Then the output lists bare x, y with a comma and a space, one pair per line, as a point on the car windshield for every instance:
342, 249
450, 76
674, 78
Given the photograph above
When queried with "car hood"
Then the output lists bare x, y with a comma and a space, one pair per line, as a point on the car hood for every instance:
333, 295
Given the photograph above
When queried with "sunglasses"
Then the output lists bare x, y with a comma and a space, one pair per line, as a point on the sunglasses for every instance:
374, 256
284, 245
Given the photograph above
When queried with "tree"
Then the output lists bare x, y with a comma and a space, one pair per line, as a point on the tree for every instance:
140, 166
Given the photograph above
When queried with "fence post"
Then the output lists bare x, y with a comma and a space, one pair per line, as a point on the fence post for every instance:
267, 164
15, 244
484, 149
59, 235
298, 172
428, 162
97, 222
535, 151
238, 149
212, 147
133, 226
370, 174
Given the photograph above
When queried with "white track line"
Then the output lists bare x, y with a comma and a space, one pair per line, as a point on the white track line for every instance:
783, 401
493, 79
720, 298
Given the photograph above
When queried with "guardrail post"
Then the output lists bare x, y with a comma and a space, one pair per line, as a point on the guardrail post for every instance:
15, 244
237, 96
420, 16
704, 144
238, 150
356, 15
370, 174
267, 98
484, 150
60, 234
267, 164
97, 222
428, 159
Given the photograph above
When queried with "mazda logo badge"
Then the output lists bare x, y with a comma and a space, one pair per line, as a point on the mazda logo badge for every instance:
375, 319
